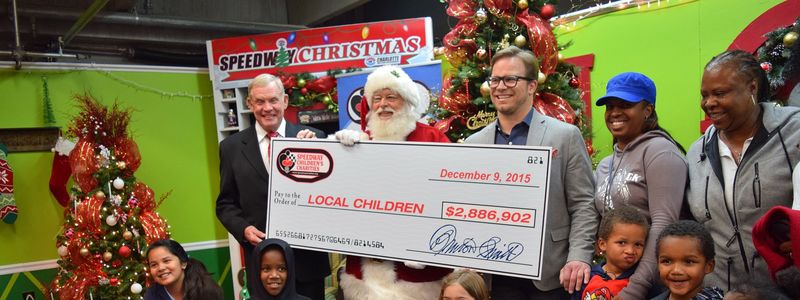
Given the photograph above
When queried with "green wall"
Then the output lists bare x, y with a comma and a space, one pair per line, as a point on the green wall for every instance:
176, 138
670, 43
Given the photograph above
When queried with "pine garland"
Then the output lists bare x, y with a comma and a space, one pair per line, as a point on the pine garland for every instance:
49, 117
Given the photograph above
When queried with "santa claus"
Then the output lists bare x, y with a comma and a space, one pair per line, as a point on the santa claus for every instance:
393, 100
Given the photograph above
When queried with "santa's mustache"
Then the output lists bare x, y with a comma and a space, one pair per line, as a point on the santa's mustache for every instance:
385, 109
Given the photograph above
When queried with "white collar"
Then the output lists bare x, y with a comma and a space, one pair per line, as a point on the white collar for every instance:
261, 133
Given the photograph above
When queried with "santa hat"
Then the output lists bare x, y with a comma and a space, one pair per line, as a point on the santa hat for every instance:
395, 79
768, 244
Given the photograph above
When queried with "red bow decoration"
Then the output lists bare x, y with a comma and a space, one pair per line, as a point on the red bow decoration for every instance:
87, 214
543, 42
126, 150
499, 8
453, 41
458, 102
144, 194
554, 106
461, 8
324, 84
154, 227
444, 125
288, 81
83, 164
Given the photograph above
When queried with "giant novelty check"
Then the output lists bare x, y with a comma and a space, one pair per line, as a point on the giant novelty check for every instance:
481, 207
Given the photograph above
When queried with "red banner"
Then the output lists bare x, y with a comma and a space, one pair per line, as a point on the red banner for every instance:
363, 45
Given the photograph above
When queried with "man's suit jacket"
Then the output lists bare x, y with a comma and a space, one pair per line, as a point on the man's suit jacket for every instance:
571, 216
243, 191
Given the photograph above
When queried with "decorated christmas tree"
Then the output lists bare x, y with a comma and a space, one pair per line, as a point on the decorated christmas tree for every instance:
488, 26
112, 217
780, 58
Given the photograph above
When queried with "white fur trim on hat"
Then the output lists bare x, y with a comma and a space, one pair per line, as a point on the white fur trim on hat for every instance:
380, 282
395, 79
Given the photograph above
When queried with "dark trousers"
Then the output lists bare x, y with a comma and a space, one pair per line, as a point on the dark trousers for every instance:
314, 289
512, 288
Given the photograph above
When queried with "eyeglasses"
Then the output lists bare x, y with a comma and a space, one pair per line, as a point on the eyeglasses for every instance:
508, 81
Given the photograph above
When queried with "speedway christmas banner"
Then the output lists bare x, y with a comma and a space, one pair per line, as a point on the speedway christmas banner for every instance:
365, 45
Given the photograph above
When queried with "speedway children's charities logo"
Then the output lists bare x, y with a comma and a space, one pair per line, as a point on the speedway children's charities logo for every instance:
304, 165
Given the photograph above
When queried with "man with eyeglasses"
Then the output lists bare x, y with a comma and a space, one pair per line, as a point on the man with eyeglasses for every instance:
393, 100
572, 218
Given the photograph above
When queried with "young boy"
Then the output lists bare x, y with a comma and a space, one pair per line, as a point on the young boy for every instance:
685, 253
622, 236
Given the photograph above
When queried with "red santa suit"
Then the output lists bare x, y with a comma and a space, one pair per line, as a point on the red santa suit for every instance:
372, 279
368, 279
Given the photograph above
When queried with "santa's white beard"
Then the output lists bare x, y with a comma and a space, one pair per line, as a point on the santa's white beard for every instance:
396, 128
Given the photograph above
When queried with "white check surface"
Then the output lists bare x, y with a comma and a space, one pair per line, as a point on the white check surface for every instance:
475, 206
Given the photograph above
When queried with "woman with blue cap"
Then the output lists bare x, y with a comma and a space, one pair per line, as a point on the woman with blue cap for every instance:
647, 169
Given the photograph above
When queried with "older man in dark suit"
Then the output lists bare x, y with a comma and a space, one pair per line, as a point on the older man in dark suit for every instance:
244, 181
571, 216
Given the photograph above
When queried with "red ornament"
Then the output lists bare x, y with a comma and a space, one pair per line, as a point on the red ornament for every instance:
124, 251
548, 11
304, 91
766, 66
574, 82
113, 281
116, 263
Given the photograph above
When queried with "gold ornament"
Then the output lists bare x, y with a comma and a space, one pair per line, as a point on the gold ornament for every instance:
84, 252
326, 99
504, 42
560, 57
520, 41
522, 4
480, 16
541, 79
789, 39
121, 165
127, 235
485, 89
100, 195
107, 256
301, 83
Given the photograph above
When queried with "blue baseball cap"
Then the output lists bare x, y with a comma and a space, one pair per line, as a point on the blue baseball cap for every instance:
631, 87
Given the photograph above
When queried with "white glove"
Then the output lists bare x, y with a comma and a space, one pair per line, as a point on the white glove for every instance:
348, 137
414, 265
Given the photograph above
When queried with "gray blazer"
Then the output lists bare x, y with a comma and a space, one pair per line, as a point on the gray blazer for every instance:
572, 218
